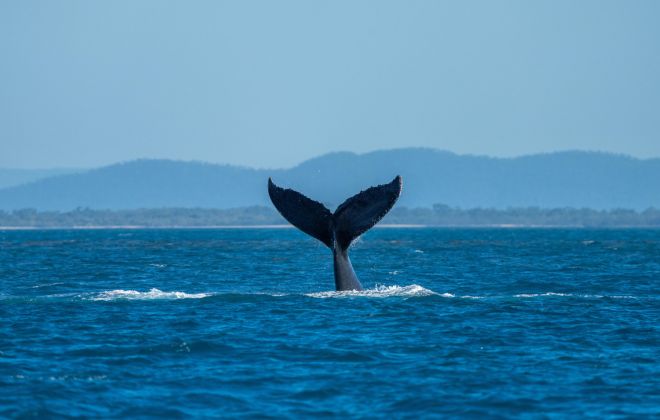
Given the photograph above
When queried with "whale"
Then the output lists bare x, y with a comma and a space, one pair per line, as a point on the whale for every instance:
337, 230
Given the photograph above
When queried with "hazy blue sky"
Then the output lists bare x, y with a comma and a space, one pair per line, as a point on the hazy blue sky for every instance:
271, 83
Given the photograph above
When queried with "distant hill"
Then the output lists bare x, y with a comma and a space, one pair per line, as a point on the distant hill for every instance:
14, 177
564, 179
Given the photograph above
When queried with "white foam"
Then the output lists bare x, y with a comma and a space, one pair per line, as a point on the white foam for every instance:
531, 295
381, 291
150, 295
586, 296
38, 286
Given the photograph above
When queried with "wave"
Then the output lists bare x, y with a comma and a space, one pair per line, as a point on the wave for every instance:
532, 295
38, 286
381, 291
586, 296
152, 294
415, 290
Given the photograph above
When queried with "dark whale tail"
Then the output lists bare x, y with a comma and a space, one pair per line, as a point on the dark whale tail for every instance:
337, 230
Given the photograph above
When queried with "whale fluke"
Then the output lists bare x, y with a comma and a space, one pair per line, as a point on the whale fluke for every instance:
304, 213
361, 212
337, 230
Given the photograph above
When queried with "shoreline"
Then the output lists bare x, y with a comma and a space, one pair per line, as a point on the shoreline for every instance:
383, 226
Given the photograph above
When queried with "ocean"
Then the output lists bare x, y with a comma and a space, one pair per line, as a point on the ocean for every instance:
245, 323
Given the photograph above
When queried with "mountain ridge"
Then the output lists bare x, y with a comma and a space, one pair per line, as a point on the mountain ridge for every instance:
560, 179
12, 177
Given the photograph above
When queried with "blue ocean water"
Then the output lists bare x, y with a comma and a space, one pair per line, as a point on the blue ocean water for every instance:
244, 323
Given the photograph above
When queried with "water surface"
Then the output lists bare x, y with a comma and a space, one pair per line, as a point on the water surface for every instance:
233, 322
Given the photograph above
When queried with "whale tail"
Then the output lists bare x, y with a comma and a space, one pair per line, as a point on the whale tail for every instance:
351, 219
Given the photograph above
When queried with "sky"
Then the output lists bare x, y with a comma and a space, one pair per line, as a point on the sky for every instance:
271, 83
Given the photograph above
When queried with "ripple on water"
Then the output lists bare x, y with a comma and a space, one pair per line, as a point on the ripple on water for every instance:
240, 323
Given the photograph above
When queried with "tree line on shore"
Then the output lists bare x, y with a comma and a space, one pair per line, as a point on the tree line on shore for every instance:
438, 215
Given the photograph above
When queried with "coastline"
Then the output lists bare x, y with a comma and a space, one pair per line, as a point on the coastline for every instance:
145, 227
383, 226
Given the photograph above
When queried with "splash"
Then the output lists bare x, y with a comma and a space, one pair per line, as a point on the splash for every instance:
381, 291
150, 295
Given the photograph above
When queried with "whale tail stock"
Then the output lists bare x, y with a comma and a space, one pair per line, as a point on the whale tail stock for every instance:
337, 230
